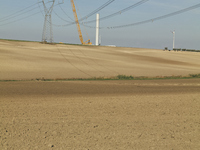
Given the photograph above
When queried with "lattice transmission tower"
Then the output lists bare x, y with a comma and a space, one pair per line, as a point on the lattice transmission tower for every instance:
47, 35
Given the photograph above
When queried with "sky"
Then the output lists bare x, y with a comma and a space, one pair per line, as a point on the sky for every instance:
24, 20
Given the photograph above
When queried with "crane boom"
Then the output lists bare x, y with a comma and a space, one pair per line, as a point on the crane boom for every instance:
78, 25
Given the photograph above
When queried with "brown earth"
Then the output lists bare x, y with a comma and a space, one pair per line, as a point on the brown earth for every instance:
125, 115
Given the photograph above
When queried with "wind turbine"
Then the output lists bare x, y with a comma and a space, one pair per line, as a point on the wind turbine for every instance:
173, 32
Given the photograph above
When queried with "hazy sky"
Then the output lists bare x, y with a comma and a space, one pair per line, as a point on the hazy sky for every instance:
19, 21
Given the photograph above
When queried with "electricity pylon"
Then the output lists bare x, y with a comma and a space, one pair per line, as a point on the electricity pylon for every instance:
47, 29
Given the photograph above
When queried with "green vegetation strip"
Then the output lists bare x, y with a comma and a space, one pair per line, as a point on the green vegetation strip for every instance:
119, 77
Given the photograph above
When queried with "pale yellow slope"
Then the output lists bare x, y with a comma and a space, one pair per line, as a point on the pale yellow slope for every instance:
30, 60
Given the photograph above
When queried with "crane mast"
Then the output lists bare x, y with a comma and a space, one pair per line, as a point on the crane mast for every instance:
78, 25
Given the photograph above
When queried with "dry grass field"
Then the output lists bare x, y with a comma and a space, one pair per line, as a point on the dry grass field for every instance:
92, 114
29, 60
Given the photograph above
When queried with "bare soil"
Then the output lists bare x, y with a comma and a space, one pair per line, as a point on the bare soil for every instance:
97, 115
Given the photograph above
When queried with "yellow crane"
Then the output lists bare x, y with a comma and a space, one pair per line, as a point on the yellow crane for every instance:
78, 25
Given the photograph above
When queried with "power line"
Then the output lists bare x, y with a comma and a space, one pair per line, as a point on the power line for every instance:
117, 13
97, 10
121, 11
66, 13
19, 19
111, 15
157, 18
78, 68
20, 13
17, 13
40, 8
153, 19
63, 12
27, 15
90, 14
61, 17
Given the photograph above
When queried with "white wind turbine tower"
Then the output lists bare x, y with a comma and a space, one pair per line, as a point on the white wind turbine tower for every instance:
173, 32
